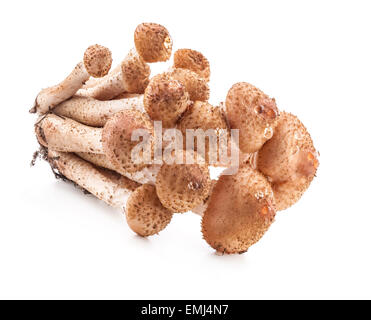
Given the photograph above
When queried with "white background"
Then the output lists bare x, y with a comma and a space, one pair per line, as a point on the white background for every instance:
313, 57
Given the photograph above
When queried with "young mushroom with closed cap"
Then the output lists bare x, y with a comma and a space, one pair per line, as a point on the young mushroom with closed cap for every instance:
144, 213
252, 112
289, 160
152, 44
133, 77
97, 62
194, 61
240, 210
165, 99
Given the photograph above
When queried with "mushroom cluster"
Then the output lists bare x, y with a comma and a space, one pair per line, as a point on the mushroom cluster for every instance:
87, 128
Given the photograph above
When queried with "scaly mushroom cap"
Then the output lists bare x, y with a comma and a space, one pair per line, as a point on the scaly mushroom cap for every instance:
182, 187
117, 139
192, 60
153, 42
97, 60
290, 153
165, 99
135, 73
195, 85
253, 113
203, 115
240, 211
145, 214
288, 193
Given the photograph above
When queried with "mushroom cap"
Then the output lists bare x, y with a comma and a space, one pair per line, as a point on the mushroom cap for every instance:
97, 60
135, 73
182, 187
192, 60
288, 193
202, 115
145, 214
240, 211
153, 42
117, 139
290, 153
253, 113
165, 99
195, 85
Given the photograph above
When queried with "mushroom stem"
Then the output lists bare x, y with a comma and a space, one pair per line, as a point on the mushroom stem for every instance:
97, 62
133, 77
145, 176
114, 140
111, 188
66, 135
96, 113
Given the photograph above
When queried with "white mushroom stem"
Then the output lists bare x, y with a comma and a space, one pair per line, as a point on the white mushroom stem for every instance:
97, 62
66, 135
112, 190
95, 113
144, 176
116, 82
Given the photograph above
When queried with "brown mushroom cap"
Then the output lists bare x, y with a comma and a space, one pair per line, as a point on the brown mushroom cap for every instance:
195, 85
182, 187
97, 60
202, 115
290, 153
288, 193
135, 73
153, 42
192, 60
165, 99
240, 211
145, 214
117, 138
253, 113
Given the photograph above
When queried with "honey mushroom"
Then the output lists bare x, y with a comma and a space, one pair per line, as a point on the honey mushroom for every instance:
144, 213
192, 60
113, 140
196, 86
252, 112
152, 44
97, 62
202, 115
165, 99
181, 187
132, 77
240, 210
289, 160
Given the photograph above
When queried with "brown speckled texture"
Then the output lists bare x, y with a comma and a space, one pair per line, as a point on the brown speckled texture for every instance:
240, 211
117, 142
202, 115
145, 214
281, 160
196, 86
63, 134
97, 60
135, 73
194, 61
182, 187
165, 99
253, 113
153, 42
